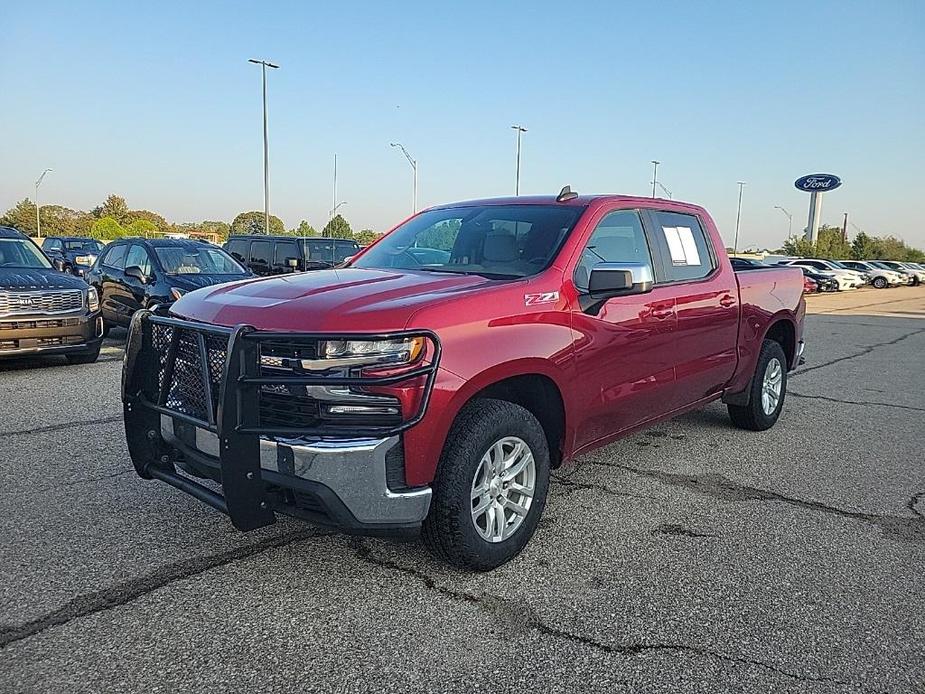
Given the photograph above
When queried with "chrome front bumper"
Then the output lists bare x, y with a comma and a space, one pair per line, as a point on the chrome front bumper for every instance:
354, 470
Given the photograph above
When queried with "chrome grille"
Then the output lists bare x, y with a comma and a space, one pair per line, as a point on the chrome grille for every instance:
30, 303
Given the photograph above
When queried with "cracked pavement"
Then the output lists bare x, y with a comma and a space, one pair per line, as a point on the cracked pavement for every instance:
691, 557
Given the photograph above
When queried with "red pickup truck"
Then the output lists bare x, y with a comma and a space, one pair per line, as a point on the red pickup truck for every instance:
432, 383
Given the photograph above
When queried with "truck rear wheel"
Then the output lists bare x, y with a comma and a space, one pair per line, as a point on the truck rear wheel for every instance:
490, 488
768, 389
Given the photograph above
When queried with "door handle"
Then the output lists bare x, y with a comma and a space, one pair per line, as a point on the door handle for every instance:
662, 313
727, 301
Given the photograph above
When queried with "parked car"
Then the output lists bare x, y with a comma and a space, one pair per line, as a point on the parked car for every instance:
279, 255
809, 285
847, 279
400, 395
905, 276
824, 282
879, 277
73, 254
135, 273
917, 275
746, 264
43, 311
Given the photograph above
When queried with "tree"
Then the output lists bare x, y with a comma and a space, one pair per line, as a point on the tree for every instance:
157, 220
864, 247
107, 228
441, 236
114, 207
305, 229
253, 223
829, 244
366, 237
141, 227
338, 228
21, 216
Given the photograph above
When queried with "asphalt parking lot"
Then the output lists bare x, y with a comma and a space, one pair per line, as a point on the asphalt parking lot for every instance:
692, 557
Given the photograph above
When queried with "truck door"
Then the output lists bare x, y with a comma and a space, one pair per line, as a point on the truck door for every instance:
624, 349
134, 294
112, 266
706, 297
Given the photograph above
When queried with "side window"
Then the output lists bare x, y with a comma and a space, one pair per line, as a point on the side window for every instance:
285, 250
618, 238
321, 250
238, 250
115, 258
137, 255
683, 246
260, 253
52, 245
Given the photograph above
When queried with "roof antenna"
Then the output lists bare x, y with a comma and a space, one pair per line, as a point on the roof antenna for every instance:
566, 194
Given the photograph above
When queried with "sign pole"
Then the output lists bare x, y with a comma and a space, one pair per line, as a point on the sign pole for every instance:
815, 213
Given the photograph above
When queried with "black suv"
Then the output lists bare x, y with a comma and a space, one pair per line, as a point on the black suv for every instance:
135, 273
73, 254
277, 255
43, 311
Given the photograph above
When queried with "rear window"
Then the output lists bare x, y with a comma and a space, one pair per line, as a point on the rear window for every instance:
260, 252
684, 247
284, 251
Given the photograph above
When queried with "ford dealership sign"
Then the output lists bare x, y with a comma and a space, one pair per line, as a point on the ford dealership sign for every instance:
817, 183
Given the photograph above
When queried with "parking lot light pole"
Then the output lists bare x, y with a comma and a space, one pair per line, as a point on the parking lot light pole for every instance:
665, 190
266, 156
520, 131
789, 220
414, 176
735, 242
38, 220
654, 175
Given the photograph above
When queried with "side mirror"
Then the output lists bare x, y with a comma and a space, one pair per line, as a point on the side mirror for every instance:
619, 279
135, 272
292, 263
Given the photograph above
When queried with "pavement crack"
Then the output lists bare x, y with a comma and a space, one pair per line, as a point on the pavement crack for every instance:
719, 487
127, 591
913, 500
678, 529
570, 486
865, 351
63, 425
866, 403
522, 614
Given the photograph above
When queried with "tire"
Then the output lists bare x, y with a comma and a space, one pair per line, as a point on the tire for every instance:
87, 358
754, 416
879, 282
452, 531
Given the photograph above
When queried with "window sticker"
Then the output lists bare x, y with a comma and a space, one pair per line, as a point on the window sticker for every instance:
681, 246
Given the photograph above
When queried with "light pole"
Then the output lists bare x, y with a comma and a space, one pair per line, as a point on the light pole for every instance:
735, 243
654, 175
789, 220
520, 131
266, 154
414, 176
336, 207
667, 192
38, 220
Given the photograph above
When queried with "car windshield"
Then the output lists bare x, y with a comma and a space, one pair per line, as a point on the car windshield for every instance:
839, 265
88, 245
882, 266
495, 241
195, 260
22, 254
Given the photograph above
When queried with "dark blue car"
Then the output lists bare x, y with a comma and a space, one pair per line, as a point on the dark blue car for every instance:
73, 254
137, 273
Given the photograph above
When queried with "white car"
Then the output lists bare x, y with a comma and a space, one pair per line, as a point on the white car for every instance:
879, 277
917, 274
847, 279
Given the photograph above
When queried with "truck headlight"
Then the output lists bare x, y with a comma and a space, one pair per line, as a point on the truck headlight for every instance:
93, 300
176, 293
334, 353
84, 260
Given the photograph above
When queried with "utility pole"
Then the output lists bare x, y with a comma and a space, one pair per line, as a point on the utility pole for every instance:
735, 243
414, 176
654, 175
520, 131
844, 229
334, 200
266, 146
38, 219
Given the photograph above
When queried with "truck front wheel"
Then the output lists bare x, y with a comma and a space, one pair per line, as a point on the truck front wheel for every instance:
490, 488
769, 386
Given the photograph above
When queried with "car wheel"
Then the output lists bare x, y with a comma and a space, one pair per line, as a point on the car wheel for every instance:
879, 282
768, 389
86, 358
490, 487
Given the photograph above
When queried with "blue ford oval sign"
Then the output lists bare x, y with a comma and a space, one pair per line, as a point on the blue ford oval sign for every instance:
817, 183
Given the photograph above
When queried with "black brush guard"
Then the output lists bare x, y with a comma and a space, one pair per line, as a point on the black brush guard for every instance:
232, 412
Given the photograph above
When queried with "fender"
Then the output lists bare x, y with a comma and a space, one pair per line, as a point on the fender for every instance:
739, 389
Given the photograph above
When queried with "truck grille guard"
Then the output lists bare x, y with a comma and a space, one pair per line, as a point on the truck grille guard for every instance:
212, 377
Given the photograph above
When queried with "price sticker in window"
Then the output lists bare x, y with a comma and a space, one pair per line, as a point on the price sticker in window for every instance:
681, 246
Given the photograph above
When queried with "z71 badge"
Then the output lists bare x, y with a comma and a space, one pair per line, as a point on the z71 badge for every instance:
541, 298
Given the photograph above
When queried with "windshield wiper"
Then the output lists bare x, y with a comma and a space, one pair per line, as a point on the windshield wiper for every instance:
480, 273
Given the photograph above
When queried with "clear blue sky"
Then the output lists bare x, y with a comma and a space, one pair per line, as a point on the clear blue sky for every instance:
158, 103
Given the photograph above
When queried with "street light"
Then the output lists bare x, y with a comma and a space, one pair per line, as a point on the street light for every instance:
667, 192
336, 207
38, 220
735, 243
414, 176
520, 131
789, 220
655, 175
266, 155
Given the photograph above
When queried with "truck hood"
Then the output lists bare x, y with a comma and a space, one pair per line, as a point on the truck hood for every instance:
29, 278
336, 300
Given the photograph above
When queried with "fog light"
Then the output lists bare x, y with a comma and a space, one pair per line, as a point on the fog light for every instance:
361, 409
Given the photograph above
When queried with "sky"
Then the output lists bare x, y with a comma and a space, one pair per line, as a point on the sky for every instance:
157, 102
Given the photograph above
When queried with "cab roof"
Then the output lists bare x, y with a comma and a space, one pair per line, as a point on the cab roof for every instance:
577, 201
11, 233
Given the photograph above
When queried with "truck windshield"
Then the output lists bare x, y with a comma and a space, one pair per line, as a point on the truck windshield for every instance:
190, 260
21, 253
497, 241
83, 245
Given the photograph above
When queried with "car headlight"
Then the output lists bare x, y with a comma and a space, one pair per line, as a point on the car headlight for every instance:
84, 260
93, 300
176, 293
340, 353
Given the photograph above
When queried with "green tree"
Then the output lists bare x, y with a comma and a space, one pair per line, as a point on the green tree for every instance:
366, 237
441, 236
253, 223
114, 207
21, 216
161, 224
305, 229
141, 227
864, 247
829, 244
338, 228
107, 228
